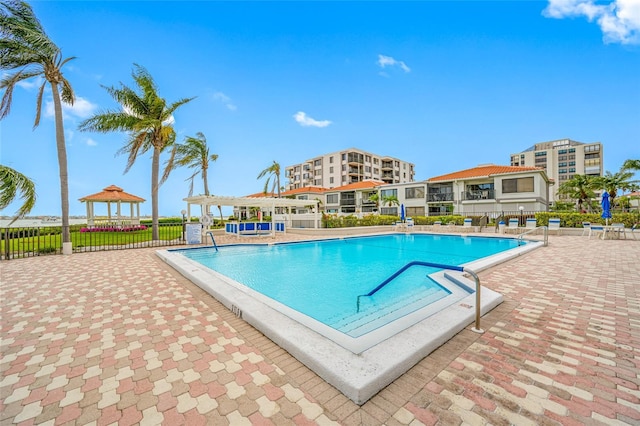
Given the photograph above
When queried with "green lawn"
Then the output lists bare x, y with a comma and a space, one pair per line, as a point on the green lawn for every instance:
50, 240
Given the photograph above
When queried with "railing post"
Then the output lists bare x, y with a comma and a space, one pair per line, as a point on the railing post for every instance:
477, 328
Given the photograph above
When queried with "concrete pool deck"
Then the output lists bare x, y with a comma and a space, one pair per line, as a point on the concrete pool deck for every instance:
120, 337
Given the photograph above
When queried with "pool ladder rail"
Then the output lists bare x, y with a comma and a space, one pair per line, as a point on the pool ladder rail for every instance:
476, 329
213, 240
545, 230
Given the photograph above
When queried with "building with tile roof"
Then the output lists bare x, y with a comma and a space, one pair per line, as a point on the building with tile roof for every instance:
113, 196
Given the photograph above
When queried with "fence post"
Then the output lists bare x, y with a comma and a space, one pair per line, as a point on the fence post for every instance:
7, 243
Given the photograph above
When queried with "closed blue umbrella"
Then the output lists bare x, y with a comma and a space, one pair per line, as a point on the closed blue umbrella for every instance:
402, 213
606, 207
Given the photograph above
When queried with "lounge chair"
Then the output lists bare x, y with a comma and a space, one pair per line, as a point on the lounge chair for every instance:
586, 228
532, 223
554, 225
437, 222
513, 225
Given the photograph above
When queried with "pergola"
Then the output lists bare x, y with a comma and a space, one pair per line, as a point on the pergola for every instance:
207, 201
113, 195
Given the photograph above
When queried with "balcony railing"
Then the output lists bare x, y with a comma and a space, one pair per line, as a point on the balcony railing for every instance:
436, 197
482, 194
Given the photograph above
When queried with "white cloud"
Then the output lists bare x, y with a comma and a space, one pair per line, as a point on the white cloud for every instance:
306, 121
619, 20
388, 61
221, 97
31, 84
91, 142
81, 108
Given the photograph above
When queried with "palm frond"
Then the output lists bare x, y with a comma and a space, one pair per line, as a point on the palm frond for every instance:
39, 105
11, 183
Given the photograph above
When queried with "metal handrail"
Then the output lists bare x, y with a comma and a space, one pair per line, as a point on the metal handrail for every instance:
213, 240
545, 230
477, 328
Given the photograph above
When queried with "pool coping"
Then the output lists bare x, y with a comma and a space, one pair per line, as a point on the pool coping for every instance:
357, 376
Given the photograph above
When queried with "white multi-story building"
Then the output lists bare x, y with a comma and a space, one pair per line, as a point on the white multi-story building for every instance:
563, 159
346, 167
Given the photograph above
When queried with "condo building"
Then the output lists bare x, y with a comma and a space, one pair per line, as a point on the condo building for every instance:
346, 167
563, 159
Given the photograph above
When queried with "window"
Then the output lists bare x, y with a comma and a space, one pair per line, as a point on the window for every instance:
331, 160
376, 171
389, 193
367, 169
344, 167
562, 158
332, 198
331, 169
317, 163
517, 185
344, 157
375, 161
416, 192
562, 171
367, 158
303, 197
564, 164
331, 180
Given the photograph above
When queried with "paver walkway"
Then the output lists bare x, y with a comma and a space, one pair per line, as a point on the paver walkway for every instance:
121, 338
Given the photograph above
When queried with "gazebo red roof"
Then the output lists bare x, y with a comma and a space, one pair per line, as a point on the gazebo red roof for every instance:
112, 194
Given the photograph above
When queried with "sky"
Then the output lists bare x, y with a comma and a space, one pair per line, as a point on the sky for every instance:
444, 85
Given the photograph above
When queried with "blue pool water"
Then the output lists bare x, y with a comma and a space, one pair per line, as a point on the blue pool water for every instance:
323, 279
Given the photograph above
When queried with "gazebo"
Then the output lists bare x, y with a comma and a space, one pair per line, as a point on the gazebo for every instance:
113, 195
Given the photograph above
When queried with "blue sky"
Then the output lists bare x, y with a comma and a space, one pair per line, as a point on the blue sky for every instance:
445, 85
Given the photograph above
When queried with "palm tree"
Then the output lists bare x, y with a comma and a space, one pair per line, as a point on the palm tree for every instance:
612, 182
273, 171
580, 188
392, 200
194, 154
12, 182
148, 120
27, 52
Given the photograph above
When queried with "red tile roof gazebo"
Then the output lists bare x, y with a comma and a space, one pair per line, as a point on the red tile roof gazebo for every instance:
109, 195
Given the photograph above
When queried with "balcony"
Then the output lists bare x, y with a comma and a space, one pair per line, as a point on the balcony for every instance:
482, 194
433, 197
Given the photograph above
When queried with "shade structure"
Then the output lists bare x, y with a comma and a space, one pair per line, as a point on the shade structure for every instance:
606, 207
402, 215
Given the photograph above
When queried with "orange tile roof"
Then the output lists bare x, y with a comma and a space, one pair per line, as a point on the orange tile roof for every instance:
261, 195
483, 171
112, 193
365, 184
306, 189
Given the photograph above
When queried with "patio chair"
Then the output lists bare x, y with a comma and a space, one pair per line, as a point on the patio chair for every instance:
437, 222
586, 228
618, 230
596, 229
467, 222
532, 223
513, 225
554, 225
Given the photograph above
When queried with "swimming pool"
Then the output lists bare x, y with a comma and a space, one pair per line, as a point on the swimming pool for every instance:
413, 315
326, 279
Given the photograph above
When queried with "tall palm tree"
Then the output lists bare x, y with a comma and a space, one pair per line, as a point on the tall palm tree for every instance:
26, 52
13, 182
273, 171
194, 154
579, 188
148, 120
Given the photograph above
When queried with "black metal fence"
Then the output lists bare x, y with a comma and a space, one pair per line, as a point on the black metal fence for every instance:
38, 241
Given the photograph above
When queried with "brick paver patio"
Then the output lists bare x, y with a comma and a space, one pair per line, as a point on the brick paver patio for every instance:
120, 338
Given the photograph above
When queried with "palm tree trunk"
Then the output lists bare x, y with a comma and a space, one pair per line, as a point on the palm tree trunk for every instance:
62, 166
155, 170
204, 179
